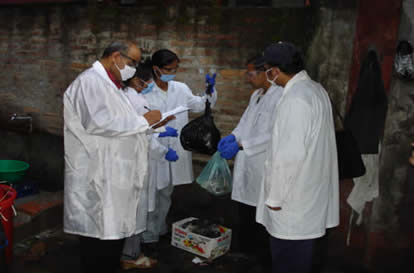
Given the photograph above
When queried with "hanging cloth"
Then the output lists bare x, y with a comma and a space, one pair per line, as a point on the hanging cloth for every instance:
366, 115
366, 120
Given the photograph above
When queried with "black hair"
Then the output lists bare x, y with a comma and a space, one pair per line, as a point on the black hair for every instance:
294, 67
163, 57
258, 61
116, 46
143, 72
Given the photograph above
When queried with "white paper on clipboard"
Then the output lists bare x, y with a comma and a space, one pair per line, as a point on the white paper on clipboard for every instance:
180, 109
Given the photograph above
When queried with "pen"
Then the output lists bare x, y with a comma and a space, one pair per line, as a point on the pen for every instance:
147, 108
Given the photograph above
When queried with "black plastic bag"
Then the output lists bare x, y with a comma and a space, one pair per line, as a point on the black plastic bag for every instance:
201, 134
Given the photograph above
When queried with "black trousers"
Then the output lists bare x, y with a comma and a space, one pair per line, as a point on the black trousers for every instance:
101, 256
253, 238
291, 256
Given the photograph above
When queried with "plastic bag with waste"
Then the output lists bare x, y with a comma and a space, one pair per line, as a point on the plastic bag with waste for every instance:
201, 134
216, 176
403, 63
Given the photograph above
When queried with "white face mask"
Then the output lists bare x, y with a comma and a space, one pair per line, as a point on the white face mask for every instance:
127, 72
272, 82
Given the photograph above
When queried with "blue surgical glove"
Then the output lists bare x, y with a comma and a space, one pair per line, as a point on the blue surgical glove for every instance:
230, 150
210, 82
224, 140
169, 132
171, 155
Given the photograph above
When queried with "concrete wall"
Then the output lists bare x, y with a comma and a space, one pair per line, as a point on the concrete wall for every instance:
44, 47
392, 222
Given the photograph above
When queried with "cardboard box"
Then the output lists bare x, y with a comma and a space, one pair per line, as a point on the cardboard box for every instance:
206, 247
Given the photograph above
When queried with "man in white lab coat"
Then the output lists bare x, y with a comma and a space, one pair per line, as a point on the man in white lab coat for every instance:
106, 150
299, 198
177, 169
249, 140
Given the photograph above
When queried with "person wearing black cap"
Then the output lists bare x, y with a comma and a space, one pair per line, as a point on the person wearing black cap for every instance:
253, 133
299, 198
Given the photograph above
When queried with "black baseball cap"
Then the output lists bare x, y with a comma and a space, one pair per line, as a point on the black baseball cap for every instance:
280, 53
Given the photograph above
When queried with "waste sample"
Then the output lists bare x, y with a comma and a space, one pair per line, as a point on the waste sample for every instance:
204, 228
201, 134
403, 62
216, 176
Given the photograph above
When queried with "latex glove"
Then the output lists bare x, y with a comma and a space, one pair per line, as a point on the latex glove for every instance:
230, 150
169, 132
224, 140
210, 82
171, 155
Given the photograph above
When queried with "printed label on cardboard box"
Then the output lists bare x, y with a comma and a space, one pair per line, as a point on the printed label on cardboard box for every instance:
200, 245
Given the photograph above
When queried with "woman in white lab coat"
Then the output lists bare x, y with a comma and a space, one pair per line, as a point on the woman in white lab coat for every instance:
141, 84
167, 95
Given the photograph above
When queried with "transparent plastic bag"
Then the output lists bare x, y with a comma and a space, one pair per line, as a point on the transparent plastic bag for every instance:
216, 176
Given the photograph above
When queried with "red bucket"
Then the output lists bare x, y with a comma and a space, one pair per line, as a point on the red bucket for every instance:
7, 212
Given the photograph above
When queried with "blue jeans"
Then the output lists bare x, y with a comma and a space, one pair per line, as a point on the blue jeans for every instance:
157, 219
291, 256
132, 247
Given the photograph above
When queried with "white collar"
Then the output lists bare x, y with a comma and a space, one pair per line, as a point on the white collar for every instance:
302, 75
100, 69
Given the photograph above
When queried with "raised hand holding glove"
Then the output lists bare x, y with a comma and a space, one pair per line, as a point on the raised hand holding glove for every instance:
210, 82
224, 140
169, 132
229, 150
171, 155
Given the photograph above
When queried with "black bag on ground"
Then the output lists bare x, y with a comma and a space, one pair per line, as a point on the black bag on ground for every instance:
201, 134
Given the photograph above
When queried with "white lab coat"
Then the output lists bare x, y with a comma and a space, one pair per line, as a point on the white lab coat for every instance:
106, 164
301, 170
253, 132
157, 151
178, 94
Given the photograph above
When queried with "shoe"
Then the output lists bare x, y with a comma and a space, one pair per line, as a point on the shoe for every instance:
141, 262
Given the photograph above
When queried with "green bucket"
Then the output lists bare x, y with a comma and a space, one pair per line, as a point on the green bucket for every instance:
12, 170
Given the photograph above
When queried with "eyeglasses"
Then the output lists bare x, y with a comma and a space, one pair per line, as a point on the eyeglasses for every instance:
270, 69
133, 63
144, 84
250, 74
254, 73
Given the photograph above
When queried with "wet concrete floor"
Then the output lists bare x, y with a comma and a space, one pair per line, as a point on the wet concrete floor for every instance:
53, 251
56, 252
